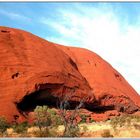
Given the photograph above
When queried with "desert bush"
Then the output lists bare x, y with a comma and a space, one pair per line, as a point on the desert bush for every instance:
136, 126
106, 133
43, 118
55, 118
91, 120
41, 133
117, 121
46, 118
21, 127
124, 120
3, 125
83, 117
46, 132
135, 118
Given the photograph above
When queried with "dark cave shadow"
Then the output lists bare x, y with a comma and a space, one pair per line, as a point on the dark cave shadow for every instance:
40, 98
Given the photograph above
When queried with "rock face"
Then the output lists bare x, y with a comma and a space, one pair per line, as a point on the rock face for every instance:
34, 72
111, 90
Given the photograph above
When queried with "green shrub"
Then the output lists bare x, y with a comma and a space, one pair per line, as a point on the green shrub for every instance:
20, 128
43, 118
83, 117
3, 125
91, 120
55, 118
47, 117
51, 111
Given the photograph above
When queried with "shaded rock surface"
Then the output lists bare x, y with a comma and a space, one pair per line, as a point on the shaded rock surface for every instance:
34, 72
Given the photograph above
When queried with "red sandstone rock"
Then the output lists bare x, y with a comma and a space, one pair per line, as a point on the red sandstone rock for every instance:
28, 64
112, 113
99, 117
109, 86
34, 71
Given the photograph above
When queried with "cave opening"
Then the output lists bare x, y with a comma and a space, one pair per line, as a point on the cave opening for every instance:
43, 97
38, 98
98, 108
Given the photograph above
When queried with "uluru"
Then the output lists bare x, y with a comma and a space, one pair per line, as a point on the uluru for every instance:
34, 71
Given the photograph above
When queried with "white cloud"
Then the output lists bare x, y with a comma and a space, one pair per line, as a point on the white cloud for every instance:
100, 30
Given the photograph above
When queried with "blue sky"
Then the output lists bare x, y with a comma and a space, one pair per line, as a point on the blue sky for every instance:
112, 30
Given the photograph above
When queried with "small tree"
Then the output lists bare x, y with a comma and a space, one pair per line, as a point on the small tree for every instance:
71, 126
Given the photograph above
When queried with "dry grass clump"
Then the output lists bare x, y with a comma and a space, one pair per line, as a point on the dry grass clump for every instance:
124, 121
106, 133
